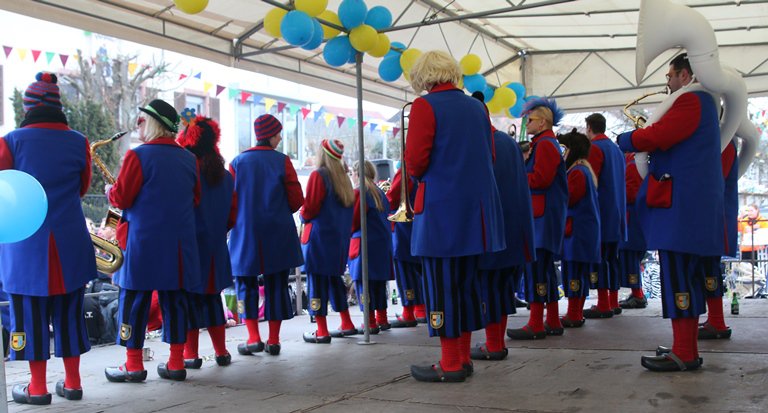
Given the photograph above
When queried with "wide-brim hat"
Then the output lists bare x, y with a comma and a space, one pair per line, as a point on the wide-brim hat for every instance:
164, 113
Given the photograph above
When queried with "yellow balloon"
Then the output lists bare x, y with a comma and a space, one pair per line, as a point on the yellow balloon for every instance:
470, 64
331, 17
191, 6
505, 97
363, 38
382, 46
505, 84
311, 7
272, 22
494, 107
408, 59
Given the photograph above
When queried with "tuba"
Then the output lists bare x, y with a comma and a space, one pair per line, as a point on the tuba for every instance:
109, 257
404, 212
638, 119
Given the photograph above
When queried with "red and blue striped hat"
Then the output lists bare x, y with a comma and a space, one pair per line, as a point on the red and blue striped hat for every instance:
43, 92
266, 126
333, 147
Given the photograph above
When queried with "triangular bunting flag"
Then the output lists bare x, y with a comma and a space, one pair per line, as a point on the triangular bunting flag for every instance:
365, 122
233, 93
328, 118
219, 89
304, 113
244, 96
340, 120
351, 122
49, 57
7, 50
268, 103
36, 55
372, 126
319, 113
281, 106
198, 75
207, 86
395, 131
293, 109
182, 76
385, 128
132, 68
64, 58
22, 53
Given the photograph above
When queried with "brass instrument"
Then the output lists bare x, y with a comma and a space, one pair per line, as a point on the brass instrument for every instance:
404, 211
385, 185
109, 257
640, 120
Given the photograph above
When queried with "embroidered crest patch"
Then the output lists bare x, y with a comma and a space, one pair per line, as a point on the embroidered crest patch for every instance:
314, 304
682, 300
240, 307
541, 289
574, 285
18, 341
710, 283
593, 277
436, 319
632, 279
125, 331
410, 295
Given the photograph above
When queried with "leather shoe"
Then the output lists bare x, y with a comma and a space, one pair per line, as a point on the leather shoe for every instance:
568, 323
520, 303
709, 332
617, 310
633, 302
469, 368
661, 350
525, 333
121, 374
668, 362
272, 349
69, 394
224, 360
311, 337
480, 352
593, 312
193, 363
435, 373
21, 395
421, 320
399, 322
176, 375
558, 331
385, 327
343, 333
373, 330
246, 349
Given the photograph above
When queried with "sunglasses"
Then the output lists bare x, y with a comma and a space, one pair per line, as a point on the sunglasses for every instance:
532, 119
140, 121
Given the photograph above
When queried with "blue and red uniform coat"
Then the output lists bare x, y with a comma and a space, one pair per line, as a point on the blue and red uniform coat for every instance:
607, 162
379, 240
680, 203
450, 151
214, 217
731, 200
58, 258
635, 238
549, 191
401, 231
158, 189
512, 183
582, 224
264, 239
325, 240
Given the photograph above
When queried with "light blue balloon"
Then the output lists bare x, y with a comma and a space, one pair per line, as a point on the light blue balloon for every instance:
23, 205
317, 36
488, 93
519, 90
475, 83
395, 45
337, 51
517, 110
352, 13
379, 17
297, 28
389, 69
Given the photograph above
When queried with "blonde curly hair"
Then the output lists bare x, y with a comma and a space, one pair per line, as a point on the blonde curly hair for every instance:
432, 68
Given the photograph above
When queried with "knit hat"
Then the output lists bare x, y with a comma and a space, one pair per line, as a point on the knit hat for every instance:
334, 148
164, 113
201, 133
43, 92
266, 126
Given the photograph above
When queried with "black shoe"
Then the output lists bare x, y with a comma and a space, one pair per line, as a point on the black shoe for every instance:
593, 312
401, 323
469, 368
121, 374
434, 373
421, 320
69, 394
21, 395
480, 352
553, 331
568, 323
176, 375
311, 337
709, 332
520, 303
224, 360
193, 363
373, 331
385, 327
617, 310
661, 350
272, 349
633, 302
338, 333
668, 362
246, 349
525, 333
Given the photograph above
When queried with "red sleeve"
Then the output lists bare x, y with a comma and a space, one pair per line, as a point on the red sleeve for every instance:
6, 157
198, 189
85, 174
292, 187
232, 219
633, 181
677, 125
315, 196
577, 186
232, 171
547, 158
128, 183
421, 136
393, 195
728, 157
596, 159
356, 214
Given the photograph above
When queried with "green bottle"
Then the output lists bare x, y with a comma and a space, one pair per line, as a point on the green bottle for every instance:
735, 304
394, 296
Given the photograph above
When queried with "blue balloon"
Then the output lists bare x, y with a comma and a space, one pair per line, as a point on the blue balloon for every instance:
389, 69
317, 37
379, 17
517, 110
475, 83
392, 52
352, 13
337, 51
488, 93
297, 28
518, 88
23, 205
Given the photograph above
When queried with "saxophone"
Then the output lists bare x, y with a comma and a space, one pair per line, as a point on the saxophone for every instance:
109, 257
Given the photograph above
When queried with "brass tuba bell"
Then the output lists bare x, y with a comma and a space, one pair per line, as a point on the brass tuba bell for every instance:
109, 257
404, 212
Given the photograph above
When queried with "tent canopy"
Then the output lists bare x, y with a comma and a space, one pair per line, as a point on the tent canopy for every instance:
581, 52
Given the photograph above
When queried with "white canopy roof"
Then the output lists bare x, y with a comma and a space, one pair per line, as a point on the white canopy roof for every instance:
581, 52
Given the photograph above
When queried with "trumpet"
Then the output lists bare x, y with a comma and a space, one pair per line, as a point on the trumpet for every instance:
640, 120
109, 257
404, 212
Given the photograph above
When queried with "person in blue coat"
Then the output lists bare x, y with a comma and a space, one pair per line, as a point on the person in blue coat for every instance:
214, 217
457, 213
379, 248
327, 219
158, 190
45, 274
264, 239
633, 249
